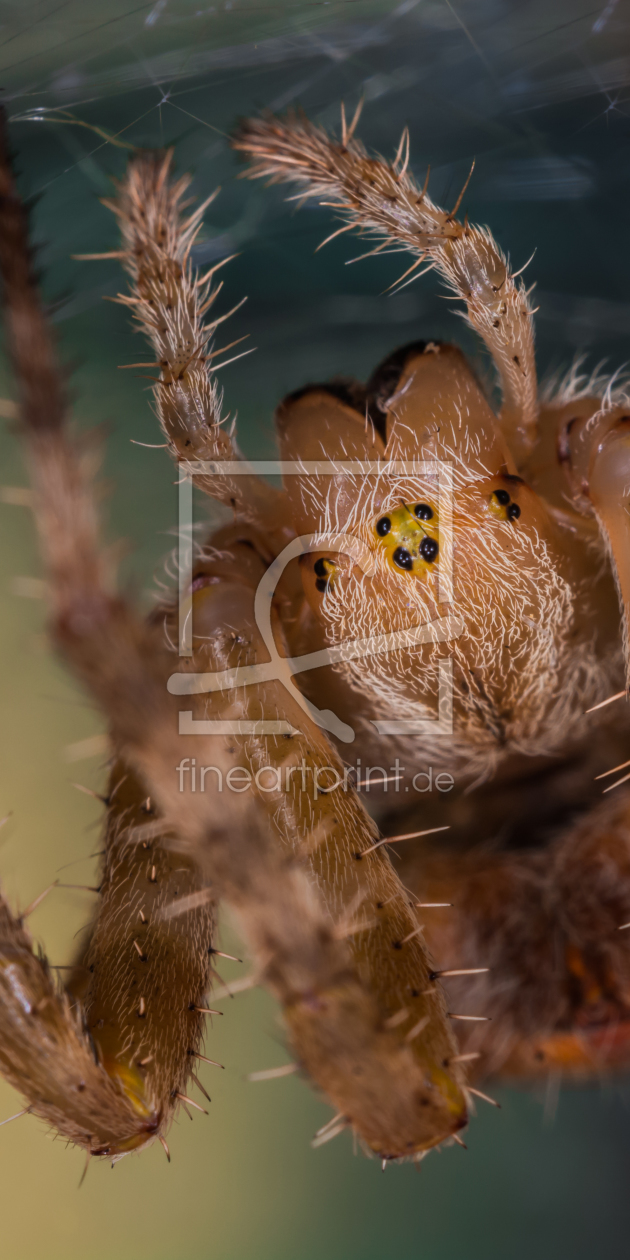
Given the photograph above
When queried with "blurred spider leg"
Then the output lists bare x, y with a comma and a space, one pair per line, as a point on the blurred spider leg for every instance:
46, 1054
334, 1022
82, 1064
594, 449
374, 196
609, 492
169, 304
551, 926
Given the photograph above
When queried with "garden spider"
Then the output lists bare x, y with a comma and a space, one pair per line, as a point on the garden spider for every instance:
422, 554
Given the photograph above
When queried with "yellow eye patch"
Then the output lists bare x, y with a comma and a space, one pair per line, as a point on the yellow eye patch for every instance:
325, 571
501, 506
409, 536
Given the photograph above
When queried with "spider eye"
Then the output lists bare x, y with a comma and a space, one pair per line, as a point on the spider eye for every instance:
502, 497
428, 549
402, 558
324, 571
513, 512
383, 526
423, 512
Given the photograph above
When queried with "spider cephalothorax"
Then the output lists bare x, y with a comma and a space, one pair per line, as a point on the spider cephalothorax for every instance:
440, 582
525, 666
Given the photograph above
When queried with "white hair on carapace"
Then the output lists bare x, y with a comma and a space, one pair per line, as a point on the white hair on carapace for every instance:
521, 682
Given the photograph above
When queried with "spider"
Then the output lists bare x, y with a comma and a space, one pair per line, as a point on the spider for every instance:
435, 584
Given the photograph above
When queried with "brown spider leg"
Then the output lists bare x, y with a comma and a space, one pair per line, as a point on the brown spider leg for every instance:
299, 783
388, 203
46, 1054
335, 1024
546, 923
170, 306
141, 953
594, 453
113, 1104
609, 492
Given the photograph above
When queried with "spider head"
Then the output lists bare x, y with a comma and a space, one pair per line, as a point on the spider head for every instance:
417, 473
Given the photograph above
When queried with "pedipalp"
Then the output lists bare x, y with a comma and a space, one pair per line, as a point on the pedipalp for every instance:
383, 201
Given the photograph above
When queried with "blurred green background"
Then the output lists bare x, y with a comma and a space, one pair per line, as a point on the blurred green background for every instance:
538, 94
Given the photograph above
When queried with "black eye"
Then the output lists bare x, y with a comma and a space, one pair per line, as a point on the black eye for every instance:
402, 558
513, 512
502, 497
428, 549
423, 512
320, 568
383, 526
